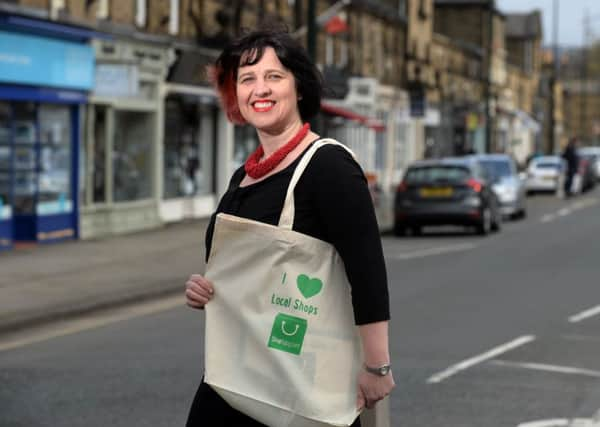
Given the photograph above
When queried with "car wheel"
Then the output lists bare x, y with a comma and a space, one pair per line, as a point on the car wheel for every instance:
523, 213
484, 227
399, 230
416, 230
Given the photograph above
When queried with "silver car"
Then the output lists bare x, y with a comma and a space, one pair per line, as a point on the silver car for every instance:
510, 189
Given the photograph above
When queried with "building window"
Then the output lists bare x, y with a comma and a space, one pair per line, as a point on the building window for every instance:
5, 160
343, 57
329, 50
56, 7
244, 143
132, 156
402, 8
54, 180
528, 60
140, 13
103, 10
25, 137
174, 17
186, 154
99, 155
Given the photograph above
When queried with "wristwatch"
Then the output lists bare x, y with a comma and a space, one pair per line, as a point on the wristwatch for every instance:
381, 371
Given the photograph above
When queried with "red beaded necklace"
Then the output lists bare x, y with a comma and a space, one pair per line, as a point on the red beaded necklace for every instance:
257, 169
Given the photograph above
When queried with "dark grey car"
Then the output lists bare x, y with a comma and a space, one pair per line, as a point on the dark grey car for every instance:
450, 191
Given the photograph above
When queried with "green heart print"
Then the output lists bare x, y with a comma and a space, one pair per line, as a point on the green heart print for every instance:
308, 287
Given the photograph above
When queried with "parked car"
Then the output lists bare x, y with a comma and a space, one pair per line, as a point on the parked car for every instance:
546, 173
510, 189
450, 191
594, 155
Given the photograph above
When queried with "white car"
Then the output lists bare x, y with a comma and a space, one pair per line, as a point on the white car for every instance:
546, 173
506, 183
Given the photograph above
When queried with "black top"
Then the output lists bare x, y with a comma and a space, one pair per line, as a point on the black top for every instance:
333, 204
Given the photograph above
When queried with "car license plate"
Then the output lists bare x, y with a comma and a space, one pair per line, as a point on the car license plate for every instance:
436, 192
549, 178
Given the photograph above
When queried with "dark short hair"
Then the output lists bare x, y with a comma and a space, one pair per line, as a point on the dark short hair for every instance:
248, 50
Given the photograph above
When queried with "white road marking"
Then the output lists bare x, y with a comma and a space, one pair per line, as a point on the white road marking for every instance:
580, 204
548, 368
585, 314
433, 251
72, 326
548, 218
468, 363
562, 422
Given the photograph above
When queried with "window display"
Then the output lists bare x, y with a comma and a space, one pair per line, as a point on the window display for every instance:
132, 156
99, 168
5, 160
185, 167
55, 160
245, 142
24, 136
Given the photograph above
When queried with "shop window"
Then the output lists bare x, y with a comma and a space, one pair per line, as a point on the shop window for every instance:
132, 156
25, 137
54, 189
244, 143
5, 160
99, 156
186, 147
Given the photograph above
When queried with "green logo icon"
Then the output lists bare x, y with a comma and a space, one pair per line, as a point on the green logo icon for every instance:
288, 333
309, 287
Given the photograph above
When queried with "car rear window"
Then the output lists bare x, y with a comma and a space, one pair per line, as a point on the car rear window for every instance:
437, 173
497, 168
542, 165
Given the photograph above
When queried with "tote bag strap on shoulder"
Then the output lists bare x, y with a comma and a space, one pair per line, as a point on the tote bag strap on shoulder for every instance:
286, 220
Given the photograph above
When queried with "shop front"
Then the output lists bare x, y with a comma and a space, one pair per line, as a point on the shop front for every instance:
121, 158
192, 138
43, 82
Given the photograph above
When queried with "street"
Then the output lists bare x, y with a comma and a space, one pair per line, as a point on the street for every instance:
495, 331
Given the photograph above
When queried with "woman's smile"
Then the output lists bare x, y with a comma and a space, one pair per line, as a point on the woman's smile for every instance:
262, 106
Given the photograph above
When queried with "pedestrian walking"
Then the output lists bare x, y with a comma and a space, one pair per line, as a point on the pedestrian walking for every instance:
572, 161
266, 79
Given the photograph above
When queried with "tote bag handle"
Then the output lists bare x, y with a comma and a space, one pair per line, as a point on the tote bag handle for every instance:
286, 220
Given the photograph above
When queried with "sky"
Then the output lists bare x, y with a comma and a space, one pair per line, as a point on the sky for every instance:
571, 13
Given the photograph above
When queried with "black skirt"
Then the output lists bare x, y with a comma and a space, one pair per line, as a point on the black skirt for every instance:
210, 410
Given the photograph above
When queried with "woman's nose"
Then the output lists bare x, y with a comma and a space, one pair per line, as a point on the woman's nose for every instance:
261, 88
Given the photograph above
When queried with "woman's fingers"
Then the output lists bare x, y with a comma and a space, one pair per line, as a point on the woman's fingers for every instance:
198, 291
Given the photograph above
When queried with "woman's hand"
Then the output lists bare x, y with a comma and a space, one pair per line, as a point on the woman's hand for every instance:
372, 388
198, 291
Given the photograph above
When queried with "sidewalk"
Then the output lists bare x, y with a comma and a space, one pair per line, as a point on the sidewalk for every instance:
45, 283
50, 282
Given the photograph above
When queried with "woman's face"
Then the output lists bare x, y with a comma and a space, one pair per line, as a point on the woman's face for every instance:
266, 94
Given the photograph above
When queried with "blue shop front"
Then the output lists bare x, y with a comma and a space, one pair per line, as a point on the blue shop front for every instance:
46, 71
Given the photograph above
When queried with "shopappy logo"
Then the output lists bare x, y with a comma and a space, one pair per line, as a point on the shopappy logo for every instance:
288, 333
308, 287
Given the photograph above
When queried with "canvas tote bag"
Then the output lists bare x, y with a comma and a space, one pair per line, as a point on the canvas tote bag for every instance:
281, 345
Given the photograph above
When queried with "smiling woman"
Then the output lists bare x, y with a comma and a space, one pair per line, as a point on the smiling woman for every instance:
311, 188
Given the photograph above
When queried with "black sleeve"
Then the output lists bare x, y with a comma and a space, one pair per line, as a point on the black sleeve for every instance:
346, 212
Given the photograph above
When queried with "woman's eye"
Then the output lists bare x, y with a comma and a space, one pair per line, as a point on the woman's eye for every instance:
245, 79
274, 76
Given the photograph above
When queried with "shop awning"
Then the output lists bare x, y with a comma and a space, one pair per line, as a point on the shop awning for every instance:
371, 122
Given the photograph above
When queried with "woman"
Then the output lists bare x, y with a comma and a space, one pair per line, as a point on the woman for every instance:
266, 79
